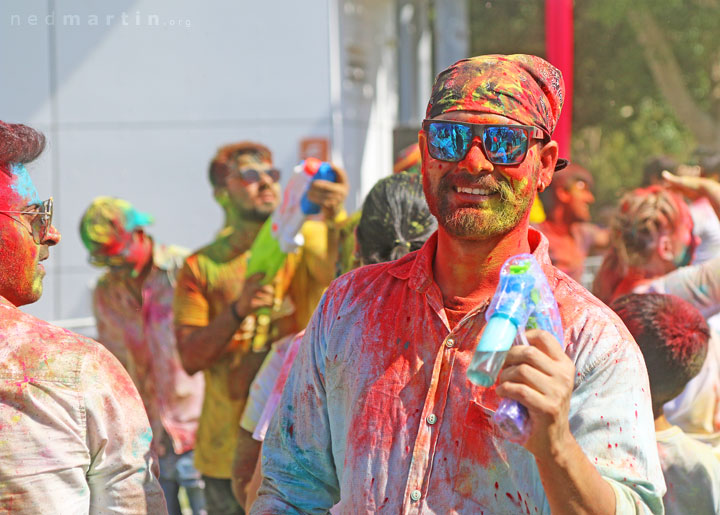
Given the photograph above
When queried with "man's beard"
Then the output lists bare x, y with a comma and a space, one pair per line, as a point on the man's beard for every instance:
476, 223
255, 214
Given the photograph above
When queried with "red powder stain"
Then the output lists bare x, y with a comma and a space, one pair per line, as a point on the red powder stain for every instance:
609, 446
291, 429
496, 485
372, 482
615, 445
636, 414
519, 497
509, 496
407, 448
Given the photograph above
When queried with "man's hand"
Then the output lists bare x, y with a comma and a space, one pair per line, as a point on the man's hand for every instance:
691, 187
329, 195
541, 377
254, 296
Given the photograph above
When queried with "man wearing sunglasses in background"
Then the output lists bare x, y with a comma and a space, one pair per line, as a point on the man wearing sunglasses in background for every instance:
74, 437
132, 303
378, 413
215, 304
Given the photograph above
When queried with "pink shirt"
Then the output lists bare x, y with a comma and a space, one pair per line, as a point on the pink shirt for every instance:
74, 437
378, 413
173, 399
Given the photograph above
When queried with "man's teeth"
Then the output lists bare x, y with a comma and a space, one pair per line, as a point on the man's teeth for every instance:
473, 191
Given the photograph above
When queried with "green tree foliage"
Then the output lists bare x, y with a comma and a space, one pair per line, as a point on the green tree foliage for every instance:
647, 78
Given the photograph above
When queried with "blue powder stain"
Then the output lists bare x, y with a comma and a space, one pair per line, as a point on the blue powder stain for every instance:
24, 186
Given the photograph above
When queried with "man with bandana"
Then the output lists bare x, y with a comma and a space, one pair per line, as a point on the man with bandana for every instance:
215, 304
378, 413
132, 303
74, 437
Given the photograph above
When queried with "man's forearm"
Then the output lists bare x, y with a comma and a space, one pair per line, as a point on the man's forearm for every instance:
573, 485
200, 347
711, 190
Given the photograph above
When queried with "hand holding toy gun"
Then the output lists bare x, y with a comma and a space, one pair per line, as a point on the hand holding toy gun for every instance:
523, 300
280, 234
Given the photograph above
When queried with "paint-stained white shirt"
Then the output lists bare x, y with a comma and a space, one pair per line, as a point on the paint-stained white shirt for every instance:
378, 413
692, 474
74, 437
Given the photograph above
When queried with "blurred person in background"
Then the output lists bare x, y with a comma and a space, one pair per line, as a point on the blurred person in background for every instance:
673, 337
74, 437
706, 225
394, 221
567, 225
408, 160
132, 303
215, 303
651, 251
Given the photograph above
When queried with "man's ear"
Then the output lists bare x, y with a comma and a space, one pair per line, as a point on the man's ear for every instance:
562, 195
422, 143
548, 157
665, 248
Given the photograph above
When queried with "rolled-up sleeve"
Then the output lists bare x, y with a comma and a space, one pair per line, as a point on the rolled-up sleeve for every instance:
299, 474
619, 442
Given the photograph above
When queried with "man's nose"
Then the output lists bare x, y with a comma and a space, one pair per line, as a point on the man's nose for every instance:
265, 179
52, 237
475, 160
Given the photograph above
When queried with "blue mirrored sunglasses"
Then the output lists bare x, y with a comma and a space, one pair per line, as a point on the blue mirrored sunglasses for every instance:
505, 145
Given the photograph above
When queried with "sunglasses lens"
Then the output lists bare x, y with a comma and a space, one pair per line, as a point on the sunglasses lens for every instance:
448, 141
274, 174
250, 175
505, 145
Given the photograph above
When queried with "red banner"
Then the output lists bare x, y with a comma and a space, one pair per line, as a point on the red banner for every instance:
559, 45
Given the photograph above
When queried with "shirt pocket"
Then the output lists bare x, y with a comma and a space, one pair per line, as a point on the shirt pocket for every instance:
482, 465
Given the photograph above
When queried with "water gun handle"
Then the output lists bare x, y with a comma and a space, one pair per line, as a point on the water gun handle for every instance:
324, 173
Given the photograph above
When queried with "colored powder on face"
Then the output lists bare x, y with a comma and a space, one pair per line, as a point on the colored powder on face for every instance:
23, 184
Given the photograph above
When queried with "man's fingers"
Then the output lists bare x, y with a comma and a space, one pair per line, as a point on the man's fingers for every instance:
528, 375
545, 342
524, 354
533, 400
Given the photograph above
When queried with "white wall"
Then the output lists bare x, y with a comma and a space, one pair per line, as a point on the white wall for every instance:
137, 110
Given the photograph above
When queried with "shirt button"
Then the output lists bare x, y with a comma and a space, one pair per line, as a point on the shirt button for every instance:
415, 495
449, 343
431, 418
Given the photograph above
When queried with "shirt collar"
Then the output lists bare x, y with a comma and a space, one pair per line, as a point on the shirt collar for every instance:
416, 267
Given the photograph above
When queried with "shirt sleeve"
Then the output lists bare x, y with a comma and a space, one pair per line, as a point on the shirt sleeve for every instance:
697, 284
118, 436
611, 414
190, 306
263, 384
298, 467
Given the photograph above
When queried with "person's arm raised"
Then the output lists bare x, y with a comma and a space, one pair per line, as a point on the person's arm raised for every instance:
200, 347
695, 187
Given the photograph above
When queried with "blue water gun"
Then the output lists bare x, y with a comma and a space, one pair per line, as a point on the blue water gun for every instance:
523, 300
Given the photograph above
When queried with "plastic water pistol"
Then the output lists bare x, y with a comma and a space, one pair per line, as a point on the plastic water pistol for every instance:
280, 234
523, 300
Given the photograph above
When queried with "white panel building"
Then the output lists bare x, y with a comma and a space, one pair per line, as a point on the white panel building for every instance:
135, 96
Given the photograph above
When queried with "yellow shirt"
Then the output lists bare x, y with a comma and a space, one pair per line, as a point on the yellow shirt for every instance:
211, 279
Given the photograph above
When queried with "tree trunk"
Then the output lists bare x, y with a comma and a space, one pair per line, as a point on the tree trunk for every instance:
669, 78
